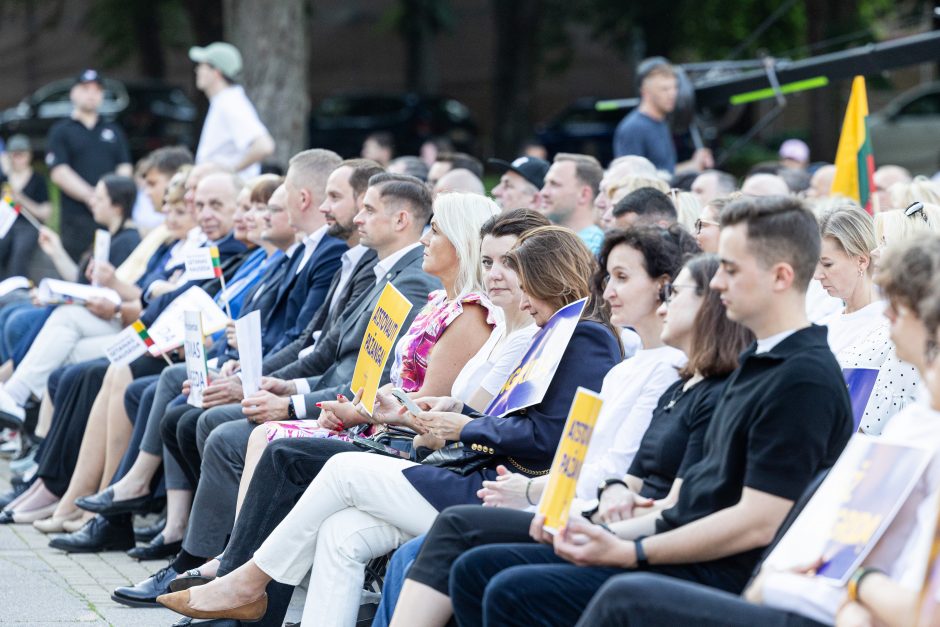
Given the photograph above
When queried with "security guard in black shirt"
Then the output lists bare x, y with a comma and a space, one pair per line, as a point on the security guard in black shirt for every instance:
81, 150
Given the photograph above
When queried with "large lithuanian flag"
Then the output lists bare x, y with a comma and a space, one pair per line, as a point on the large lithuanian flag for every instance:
855, 163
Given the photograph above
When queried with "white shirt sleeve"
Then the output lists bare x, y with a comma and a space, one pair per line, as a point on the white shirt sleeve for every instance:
803, 595
506, 361
300, 405
302, 386
635, 414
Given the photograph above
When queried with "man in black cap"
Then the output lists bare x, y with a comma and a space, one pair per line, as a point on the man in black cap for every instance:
520, 182
81, 150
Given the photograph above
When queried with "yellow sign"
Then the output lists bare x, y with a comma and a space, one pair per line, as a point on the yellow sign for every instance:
387, 317
569, 457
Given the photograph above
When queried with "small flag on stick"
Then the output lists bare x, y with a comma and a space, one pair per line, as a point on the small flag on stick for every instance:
855, 161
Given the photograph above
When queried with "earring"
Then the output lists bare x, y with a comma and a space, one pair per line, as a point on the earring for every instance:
861, 272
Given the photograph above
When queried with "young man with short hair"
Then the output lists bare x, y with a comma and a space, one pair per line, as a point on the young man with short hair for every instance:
233, 134
571, 184
784, 416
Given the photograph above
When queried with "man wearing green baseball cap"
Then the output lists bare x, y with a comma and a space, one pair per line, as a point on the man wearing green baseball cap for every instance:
233, 134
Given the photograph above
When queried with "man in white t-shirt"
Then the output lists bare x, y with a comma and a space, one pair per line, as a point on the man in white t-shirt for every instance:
232, 135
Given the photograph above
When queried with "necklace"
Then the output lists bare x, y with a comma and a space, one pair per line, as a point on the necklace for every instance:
675, 397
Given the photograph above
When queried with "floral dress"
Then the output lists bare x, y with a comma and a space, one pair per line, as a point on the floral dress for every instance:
412, 353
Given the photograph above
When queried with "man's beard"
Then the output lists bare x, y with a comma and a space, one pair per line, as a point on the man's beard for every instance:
340, 231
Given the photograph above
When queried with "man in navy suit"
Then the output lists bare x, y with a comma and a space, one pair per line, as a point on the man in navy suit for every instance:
318, 256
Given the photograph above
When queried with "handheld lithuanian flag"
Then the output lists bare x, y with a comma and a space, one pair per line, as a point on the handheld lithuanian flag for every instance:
216, 263
855, 162
142, 332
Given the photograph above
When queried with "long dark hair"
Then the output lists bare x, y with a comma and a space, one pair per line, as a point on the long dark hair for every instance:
123, 192
717, 341
555, 266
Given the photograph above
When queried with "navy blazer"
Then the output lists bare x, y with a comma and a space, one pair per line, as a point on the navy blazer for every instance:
231, 254
301, 294
531, 435
268, 285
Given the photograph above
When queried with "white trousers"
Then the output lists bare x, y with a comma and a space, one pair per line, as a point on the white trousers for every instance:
358, 508
72, 334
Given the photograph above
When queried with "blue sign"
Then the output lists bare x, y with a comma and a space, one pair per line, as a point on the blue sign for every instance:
527, 384
861, 382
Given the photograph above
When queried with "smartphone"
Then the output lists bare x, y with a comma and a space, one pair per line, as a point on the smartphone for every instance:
402, 397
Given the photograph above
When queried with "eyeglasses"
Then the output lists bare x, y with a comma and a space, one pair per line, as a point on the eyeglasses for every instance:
700, 223
669, 291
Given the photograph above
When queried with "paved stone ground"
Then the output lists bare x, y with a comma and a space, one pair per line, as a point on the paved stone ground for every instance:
43, 586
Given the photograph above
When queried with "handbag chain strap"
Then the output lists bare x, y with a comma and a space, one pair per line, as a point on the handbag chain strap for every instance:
528, 471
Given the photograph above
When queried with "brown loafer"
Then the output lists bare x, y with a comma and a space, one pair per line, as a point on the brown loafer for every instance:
249, 613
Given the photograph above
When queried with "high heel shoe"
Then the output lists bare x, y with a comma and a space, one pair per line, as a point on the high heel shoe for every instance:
249, 612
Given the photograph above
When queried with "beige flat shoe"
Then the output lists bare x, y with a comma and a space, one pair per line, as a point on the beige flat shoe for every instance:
56, 524
31, 516
249, 613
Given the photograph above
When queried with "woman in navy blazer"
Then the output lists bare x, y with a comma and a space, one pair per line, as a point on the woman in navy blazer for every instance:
363, 506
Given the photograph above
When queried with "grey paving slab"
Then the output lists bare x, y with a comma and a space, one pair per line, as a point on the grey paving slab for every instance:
40, 586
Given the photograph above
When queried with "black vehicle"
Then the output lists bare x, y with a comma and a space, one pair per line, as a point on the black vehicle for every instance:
341, 123
152, 114
581, 128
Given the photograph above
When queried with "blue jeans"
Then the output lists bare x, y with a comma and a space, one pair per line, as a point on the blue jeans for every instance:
398, 567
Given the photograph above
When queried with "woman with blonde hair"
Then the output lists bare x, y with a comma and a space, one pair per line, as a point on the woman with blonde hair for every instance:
859, 334
920, 189
687, 208
897, 225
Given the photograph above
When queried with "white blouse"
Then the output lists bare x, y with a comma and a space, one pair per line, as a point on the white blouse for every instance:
489, 369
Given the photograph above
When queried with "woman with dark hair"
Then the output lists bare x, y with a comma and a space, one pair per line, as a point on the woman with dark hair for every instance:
362, 506
693, 321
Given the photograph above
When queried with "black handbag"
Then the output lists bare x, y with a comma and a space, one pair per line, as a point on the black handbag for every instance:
458, 458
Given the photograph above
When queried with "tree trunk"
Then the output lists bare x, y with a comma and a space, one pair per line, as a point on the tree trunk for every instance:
516, 26
826, 19
272, 38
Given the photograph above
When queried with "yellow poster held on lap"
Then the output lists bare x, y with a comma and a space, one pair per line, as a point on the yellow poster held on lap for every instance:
569, 457
387, 317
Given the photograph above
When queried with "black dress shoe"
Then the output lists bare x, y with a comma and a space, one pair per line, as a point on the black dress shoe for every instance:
157, 549
98, 534
6, 517
146, 534
145, 593
104, 503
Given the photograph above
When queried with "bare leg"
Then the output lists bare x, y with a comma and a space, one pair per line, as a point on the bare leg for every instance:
178, 503
33, 489
241, 586
256, 445
119, 425
88, 467
421, 605
39, 496
45, 416
6, 370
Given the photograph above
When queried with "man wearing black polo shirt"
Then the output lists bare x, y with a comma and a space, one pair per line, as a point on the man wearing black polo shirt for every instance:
784, 416
81, 150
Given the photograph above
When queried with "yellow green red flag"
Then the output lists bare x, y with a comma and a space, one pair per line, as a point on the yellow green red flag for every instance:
855, 162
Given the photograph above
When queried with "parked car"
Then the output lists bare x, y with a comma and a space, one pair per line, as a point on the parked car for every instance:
906, 131
581, 128
341, 123
152, 114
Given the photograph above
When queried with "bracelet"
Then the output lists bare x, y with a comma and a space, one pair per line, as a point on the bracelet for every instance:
855, 582
527, 498
607, 483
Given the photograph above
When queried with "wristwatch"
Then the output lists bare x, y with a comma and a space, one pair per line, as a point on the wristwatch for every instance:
291, 411
641, 562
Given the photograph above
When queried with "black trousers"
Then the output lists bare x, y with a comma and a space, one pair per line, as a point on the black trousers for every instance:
652, 600
77, 388
282, 475
457, 530
527, 584
178, 432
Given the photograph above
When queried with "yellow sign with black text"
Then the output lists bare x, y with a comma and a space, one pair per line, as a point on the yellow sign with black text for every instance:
387, 318
569, 458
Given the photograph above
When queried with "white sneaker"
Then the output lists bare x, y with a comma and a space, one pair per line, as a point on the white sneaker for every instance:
11, 414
